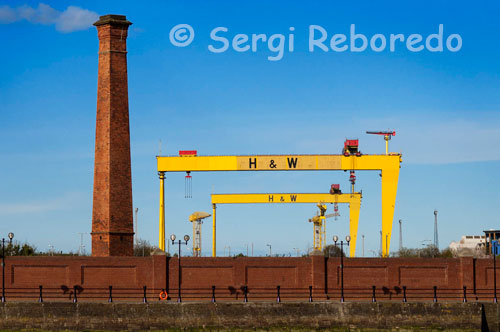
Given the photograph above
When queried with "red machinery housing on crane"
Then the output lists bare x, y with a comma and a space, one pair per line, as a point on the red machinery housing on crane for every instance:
335, 189
351, 147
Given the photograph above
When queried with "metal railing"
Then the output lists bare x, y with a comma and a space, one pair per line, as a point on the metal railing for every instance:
246, 294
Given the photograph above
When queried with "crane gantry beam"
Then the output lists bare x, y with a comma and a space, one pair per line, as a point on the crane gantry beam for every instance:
388, 165
354, 201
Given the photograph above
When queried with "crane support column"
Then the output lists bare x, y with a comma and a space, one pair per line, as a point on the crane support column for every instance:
389, 191
161, 239
354, 207
214, 235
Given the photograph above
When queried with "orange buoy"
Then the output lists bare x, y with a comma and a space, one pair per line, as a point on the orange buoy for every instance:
163, 295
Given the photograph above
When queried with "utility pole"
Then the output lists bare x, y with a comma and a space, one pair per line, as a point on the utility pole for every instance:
363, 237
252, 249
400, 235
381, 243
81, 249
136, 233
436, 237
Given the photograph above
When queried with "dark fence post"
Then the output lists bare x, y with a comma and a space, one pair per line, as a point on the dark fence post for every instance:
310, 293
245, 292
465, 294
110, 298
278, 299
404, 294
213, 294
435, 294
374, 299
144, 298
40, 298
75, 299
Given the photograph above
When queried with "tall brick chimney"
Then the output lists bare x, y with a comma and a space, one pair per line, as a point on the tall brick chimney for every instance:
112, 220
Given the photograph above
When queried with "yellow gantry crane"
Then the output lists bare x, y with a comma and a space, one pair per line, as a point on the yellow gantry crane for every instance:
388, 165
354, 201
197, 220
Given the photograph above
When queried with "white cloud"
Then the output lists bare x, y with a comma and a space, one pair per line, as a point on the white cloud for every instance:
72, 19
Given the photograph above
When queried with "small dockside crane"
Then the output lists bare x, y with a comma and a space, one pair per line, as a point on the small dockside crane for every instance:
319, 227
197, 220
387, 137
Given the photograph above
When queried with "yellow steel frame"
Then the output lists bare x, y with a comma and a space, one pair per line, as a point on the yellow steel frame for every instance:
161, 240
319, 229
388, 165
354, 201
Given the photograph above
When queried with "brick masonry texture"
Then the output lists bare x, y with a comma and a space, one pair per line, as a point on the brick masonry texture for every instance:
58, 276
112, 215
249, 316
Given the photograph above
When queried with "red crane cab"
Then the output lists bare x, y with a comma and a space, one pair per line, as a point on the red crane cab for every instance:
351, 147
335, 189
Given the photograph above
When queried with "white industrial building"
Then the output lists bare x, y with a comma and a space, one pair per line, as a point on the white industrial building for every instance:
469, 246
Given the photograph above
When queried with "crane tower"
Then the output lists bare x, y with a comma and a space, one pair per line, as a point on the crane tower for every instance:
197, 220
319, 227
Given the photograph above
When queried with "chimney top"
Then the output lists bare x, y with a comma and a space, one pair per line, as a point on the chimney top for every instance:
113, 20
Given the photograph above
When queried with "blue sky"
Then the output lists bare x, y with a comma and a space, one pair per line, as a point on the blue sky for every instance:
443, 105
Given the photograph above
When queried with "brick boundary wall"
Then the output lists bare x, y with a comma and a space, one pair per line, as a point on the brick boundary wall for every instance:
250, 317
128, 275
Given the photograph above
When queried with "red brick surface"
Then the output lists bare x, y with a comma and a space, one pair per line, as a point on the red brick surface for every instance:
112, 223
260, 274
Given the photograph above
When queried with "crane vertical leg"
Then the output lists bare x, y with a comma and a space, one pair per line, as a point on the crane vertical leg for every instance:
161, 237
389, 191
214, 235
199, 238
323, 235
194, 238
386, 146
354, 207
317, 235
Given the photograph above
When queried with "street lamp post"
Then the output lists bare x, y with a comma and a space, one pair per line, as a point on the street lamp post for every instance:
186, 239
11, 236
493, 251
335, 239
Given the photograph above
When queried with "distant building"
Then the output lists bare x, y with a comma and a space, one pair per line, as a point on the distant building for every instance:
492, 241
469, 246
